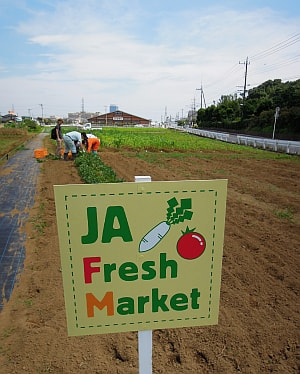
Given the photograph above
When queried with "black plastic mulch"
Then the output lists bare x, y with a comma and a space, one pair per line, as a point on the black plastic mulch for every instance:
17, 190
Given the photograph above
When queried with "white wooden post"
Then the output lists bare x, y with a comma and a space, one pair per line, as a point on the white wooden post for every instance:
144, 337
145, 351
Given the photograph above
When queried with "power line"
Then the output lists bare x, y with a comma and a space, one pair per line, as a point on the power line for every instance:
276, 65
227, 74
256, 70
277, 47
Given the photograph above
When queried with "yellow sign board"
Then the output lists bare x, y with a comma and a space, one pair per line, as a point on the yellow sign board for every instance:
141, 256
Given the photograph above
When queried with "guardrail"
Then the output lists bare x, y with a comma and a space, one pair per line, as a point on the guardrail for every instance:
276, 145
209, 134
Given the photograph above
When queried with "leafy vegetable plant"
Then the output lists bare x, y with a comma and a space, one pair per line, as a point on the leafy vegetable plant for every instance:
92, 170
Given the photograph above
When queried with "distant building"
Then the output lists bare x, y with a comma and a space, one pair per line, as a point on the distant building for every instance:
53, 118
118, 118
80, 117
113, 108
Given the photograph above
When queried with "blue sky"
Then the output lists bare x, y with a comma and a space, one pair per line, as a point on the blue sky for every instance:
147, 57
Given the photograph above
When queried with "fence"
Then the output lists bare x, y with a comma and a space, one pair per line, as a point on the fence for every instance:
276, 145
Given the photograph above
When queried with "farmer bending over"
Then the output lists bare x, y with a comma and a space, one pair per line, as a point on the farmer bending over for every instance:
91, 142
72, 140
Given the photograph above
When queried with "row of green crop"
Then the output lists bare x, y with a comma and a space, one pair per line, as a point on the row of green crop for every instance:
92, 170
154, 139
157, 139
174, 143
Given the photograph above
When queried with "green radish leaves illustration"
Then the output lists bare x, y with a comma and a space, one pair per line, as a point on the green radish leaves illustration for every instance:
175, 214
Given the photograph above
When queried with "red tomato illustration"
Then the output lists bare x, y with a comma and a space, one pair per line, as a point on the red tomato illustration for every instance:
191, 244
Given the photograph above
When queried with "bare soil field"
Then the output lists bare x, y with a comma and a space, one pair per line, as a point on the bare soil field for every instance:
258, 330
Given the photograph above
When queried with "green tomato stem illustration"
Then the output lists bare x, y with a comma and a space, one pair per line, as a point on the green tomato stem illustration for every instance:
175, 214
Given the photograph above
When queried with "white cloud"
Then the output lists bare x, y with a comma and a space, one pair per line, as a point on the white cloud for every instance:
102, 55
48, 40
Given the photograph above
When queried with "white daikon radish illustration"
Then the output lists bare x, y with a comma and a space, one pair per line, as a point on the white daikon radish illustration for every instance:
175, 214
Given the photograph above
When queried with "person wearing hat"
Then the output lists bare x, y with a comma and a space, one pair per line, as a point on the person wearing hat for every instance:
59, 137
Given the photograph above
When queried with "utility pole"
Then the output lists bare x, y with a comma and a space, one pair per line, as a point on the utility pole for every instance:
276, 116
193, 112
42, 112
246, 63
201, 96
105, 108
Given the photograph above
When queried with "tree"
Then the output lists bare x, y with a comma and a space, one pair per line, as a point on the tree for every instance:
259, 109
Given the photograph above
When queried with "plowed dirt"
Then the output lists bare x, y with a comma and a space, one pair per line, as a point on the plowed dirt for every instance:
258, 330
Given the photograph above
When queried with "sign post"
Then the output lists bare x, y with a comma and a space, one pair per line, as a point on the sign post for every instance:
141, 256
144, 337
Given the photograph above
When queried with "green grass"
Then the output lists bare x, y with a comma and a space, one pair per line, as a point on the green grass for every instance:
38, 221
12, 140
7, 333
28, 303
178, 144
287, 213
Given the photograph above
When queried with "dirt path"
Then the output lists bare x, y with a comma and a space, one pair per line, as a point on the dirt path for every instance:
258, 330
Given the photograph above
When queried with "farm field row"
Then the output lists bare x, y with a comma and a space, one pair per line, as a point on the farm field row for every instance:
259, 316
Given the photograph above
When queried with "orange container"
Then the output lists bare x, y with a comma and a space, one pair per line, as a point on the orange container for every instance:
63, 151
40, 153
